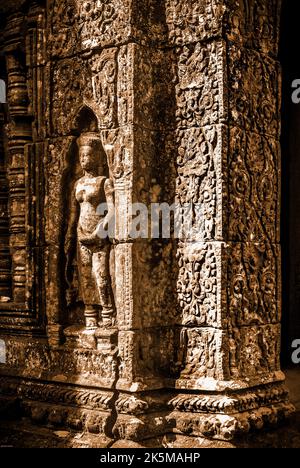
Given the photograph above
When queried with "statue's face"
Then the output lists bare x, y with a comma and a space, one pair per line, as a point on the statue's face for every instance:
87, 158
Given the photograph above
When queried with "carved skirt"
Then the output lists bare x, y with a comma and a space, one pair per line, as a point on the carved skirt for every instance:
94, 275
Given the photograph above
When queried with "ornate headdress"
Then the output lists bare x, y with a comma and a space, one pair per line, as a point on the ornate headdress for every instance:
89, 139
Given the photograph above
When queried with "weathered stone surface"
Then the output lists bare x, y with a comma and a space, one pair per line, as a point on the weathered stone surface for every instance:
123, 102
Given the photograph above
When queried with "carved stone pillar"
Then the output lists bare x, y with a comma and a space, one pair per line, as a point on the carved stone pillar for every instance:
20, 41
228, 165
5, 260
19, 135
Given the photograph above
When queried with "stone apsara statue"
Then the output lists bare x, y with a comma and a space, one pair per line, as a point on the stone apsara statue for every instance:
87, 223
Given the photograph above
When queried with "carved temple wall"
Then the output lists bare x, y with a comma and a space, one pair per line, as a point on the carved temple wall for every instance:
185, 95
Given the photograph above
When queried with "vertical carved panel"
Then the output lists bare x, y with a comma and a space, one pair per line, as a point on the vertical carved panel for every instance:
24, 163
19, 135
5, 260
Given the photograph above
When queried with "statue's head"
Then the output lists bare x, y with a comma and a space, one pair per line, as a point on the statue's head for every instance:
91, 153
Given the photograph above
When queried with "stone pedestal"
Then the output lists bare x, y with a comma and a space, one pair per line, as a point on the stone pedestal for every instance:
80, 336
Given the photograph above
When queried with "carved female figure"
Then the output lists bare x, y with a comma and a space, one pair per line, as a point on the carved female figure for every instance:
86, 222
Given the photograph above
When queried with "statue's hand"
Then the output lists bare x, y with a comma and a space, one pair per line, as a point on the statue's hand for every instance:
87, 240
109, 224
102, 231
84, 238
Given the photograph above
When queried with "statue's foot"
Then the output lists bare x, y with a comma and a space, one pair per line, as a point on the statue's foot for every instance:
106, 323
91, 318
107, 319
80, 336
91, 325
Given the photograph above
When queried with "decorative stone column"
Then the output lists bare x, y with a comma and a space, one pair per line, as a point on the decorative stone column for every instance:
5, 260
19, 136
25, 309
228, 164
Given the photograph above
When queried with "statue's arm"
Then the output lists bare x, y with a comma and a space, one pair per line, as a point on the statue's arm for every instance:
107, 223
110, 200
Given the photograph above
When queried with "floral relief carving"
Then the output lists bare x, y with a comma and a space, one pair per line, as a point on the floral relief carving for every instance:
153, 102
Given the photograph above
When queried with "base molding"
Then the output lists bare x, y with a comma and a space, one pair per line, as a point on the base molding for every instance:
136, 417
65, 406
228, 427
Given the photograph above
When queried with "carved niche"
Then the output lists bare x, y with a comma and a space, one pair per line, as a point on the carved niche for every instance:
88, 200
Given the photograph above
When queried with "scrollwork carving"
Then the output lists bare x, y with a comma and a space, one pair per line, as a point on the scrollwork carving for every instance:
197, 286
104, 71
103, 23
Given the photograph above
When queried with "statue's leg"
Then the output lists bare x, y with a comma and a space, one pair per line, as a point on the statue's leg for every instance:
87, 286
103, 280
